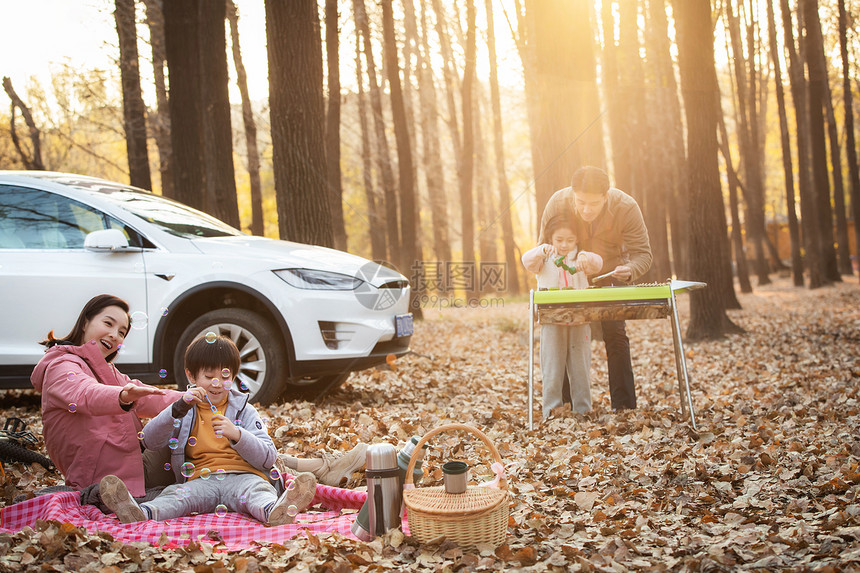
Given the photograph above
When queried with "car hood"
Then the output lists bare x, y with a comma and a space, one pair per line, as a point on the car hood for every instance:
286, 254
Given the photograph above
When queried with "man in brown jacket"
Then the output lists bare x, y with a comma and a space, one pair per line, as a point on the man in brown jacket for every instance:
609, 223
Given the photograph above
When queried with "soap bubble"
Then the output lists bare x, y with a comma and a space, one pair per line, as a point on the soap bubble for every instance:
205, 473
225, 373
187, 469
211, 337
192, 441
243, 499
120, 348
221, 510
292, 510
167, 466
162, 373
227, 384
220, 474
188, 397
73, 407
238, 422
164, 311
139, 320
218, 434
173, 443
243, 386
177, 422
291, 486
275, 474
70, 376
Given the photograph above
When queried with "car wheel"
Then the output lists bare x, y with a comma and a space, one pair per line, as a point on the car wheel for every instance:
313, 387
263, 359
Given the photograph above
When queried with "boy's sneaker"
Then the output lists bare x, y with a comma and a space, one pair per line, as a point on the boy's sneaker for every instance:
337, 468
297, 498
116, 497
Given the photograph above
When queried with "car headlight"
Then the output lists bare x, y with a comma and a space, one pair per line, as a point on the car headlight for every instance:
311, 279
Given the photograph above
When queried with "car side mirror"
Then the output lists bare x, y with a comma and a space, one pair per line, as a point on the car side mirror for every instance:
106, 240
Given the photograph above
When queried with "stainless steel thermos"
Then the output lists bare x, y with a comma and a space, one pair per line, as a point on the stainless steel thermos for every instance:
382, 510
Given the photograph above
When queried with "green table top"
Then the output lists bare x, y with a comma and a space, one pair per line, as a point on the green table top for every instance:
615, 293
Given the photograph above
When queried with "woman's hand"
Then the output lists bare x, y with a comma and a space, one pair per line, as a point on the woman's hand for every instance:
131, 392
226, 428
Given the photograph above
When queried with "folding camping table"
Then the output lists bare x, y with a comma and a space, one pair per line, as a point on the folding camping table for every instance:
594, 304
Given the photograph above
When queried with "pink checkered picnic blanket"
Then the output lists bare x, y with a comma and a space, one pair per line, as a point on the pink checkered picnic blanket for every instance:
236, 531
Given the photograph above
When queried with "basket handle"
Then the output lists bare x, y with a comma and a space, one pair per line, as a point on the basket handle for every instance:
503, 483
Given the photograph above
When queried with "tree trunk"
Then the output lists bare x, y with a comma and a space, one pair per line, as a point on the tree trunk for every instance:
221, 200
617, 119
669, 109
410, 62
466, 160
809, 216
843, 259
449, 74
159, 120
401, 134
332, 125
708, 318
566, 136
485, 200
644, 131
33, 159
376, 222
250, 124
850, 145
383, 155
749, 151
181, 30
817, 92
298, 117
133, 108
788, 171
511, 262
737, 234
433, 166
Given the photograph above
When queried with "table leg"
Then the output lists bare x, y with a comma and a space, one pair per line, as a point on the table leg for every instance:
681, 363
531, 354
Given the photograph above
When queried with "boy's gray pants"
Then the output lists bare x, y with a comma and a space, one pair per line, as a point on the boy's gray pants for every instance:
244, 493
565, 346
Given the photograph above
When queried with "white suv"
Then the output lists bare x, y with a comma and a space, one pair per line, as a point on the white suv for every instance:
303, 317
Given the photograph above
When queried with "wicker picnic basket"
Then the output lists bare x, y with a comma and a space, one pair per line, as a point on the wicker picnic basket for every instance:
480, 515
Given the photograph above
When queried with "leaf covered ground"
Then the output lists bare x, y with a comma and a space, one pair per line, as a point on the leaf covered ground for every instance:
768, 482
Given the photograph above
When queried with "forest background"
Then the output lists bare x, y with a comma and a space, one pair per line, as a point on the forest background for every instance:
731, 122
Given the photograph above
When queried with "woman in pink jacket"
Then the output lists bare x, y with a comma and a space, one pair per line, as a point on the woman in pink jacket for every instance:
90, 411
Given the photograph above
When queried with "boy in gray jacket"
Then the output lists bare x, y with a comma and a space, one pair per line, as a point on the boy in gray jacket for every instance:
221, 453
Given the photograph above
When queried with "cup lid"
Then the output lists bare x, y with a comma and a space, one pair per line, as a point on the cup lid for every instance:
455, 467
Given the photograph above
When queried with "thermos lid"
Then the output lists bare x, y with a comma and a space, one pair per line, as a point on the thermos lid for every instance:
454, 468
381, 457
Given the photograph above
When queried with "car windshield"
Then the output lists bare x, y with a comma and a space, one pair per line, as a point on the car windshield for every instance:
167, 214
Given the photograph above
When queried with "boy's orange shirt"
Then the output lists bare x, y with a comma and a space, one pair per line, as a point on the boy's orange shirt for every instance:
211, 452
